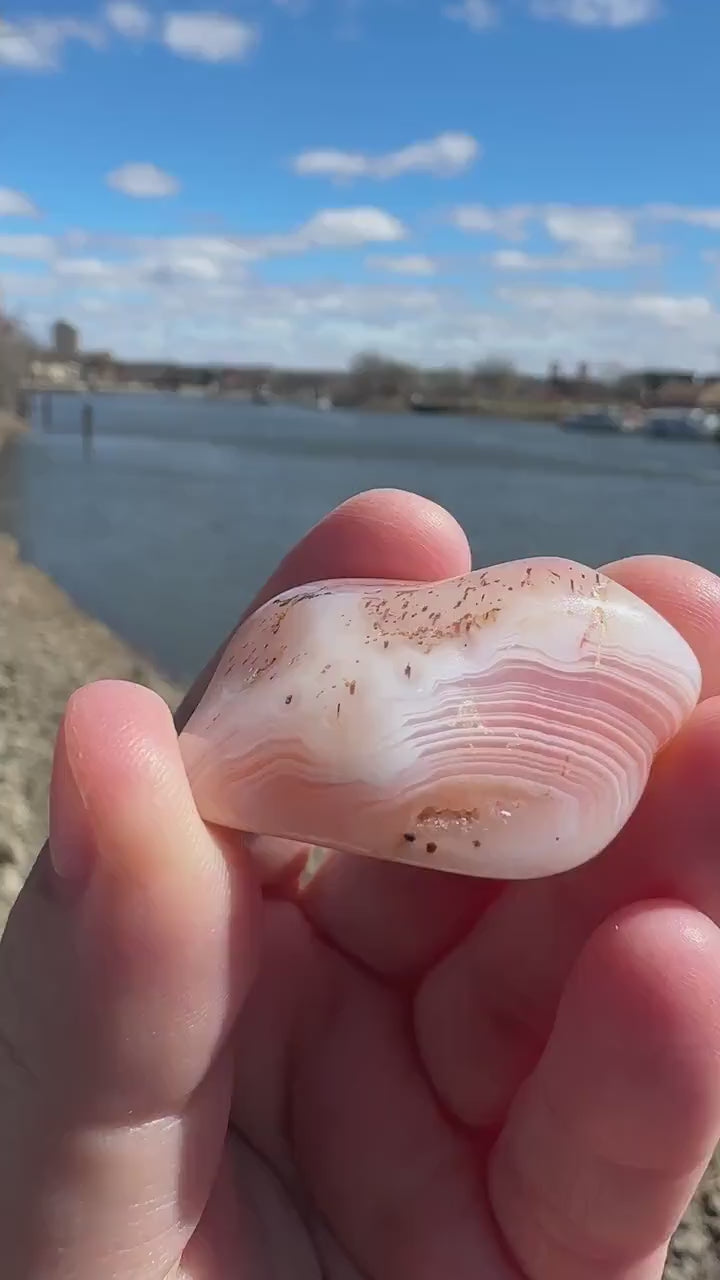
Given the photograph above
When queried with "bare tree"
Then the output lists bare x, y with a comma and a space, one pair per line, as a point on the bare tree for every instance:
446, 384
373, 378
16, 350
495, 376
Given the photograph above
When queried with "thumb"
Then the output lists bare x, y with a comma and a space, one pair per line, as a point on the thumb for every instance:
122, 967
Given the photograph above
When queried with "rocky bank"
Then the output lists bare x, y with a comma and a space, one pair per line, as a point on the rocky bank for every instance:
48, 648
10, 425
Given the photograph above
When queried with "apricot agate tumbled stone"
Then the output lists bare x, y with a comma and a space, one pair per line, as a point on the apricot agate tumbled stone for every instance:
499, 724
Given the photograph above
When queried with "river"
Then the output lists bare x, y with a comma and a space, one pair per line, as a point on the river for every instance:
185, 505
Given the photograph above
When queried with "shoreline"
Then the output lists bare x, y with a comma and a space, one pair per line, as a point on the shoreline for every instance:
543, 411
11, 425
48, 648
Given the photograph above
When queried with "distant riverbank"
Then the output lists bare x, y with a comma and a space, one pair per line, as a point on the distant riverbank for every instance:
542, 412
519, 409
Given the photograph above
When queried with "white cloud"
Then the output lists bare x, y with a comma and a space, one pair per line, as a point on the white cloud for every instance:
242, 320
602, 235
409, 264
156, 260
672, 310
512, 259
220, 258
23, 285
443, 157
30, 247
598, 13
13, 204
331, 163
509, 223
631, 329
209, 37
706, 218
478, 15
36, 44
519, 260
481, 15
93, 269
191, 298
186, 267
341, 228
202, 296
143, 181
592, 237
130, 20
225, 251
161, 265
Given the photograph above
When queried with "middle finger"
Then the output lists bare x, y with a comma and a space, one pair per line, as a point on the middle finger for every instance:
511, 968
399, 919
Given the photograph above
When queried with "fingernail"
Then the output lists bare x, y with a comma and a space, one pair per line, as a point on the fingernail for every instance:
72, 843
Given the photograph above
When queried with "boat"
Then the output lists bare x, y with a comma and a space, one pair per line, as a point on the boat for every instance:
323, 404
603, 418
682, 424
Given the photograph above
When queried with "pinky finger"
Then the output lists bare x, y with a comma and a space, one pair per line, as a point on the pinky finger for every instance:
608, 1139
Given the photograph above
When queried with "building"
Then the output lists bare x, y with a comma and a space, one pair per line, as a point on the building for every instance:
653, 380
98, 367
50, 373
66, 341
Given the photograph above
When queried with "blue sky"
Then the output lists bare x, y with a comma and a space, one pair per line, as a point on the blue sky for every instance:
300, 180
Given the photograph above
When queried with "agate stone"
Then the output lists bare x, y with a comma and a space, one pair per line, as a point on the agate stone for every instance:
499, 724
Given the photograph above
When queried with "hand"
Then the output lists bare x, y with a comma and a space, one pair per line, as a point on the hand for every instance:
392, 1075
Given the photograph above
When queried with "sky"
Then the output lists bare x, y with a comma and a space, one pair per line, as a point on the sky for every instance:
299, 181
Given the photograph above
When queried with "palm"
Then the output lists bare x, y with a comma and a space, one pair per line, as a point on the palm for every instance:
372, 1077
338, 1139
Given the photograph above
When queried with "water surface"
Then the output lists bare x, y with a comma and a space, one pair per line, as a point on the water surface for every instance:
186, 505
